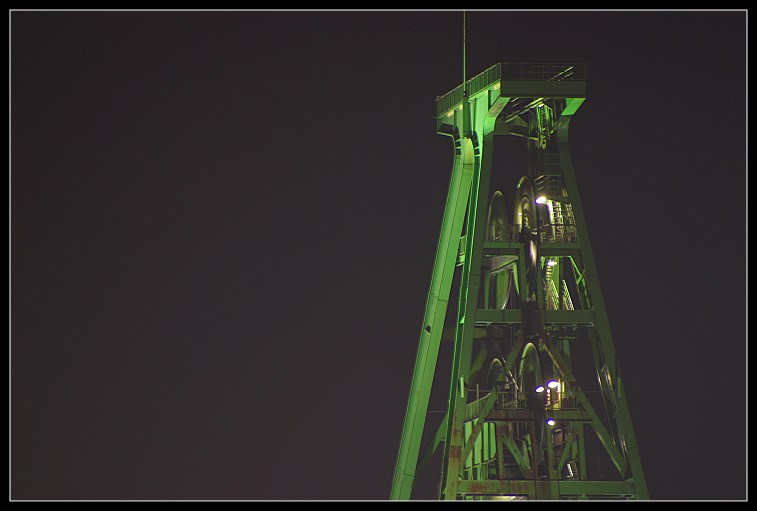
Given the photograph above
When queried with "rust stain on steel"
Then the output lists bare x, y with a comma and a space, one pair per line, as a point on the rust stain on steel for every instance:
478, 487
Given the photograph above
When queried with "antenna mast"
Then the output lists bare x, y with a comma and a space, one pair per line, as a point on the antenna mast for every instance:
464, 90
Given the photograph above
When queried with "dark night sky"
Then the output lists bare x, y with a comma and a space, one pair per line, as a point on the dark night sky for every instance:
223, 226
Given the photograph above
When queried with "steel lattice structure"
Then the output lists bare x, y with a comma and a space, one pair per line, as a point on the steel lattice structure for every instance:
518, 417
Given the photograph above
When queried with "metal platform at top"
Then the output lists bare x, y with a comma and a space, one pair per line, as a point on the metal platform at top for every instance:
514, 80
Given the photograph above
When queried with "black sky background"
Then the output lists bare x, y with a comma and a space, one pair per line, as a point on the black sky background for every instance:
223, 226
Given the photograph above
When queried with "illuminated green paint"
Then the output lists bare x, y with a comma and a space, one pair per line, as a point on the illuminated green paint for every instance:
497, 442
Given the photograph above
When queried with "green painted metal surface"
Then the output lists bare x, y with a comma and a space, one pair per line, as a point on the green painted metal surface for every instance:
528, 290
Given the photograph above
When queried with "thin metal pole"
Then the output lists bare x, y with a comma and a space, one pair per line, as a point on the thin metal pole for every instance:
464, 85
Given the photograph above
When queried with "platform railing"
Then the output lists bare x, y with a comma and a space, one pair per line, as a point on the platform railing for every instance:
543, 71
558, 233
549, 233
508, 400
515, 71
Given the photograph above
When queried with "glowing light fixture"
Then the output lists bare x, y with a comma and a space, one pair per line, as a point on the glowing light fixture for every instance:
551, 422
551, 262
450, 113
540, 388
541, 199
552, 384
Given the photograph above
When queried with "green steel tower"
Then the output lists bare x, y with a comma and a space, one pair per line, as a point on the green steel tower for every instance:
519, 420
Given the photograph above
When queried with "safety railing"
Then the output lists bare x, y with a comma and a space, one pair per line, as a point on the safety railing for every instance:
558, 233
449, 101
510, 71
543, 71
550, 184
502, 232
550, 399
474, 86
549, 233
567, 400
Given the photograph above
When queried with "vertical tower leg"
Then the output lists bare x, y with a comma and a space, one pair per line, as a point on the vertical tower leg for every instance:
467, 305
433, 322
606, 345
